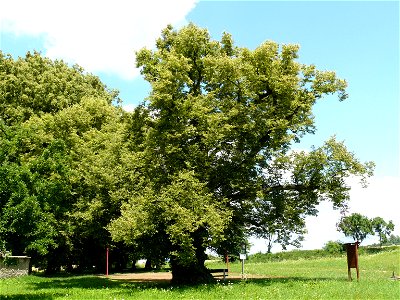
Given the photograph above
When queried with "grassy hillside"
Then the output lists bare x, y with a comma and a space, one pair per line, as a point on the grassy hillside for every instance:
319, 278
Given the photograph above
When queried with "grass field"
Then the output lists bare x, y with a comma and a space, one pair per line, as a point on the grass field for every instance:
323, 278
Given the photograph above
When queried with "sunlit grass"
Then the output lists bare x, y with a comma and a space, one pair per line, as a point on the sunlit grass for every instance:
324, 278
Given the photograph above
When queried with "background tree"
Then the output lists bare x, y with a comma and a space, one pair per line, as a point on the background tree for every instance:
393, 240
356, 226
33, 85
51, 117
382, 228
217, 119
273, 220
294, 183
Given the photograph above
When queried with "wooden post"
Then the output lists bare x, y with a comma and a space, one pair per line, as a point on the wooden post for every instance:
227, 264
107, 261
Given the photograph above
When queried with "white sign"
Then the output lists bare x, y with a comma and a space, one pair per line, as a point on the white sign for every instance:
242, 256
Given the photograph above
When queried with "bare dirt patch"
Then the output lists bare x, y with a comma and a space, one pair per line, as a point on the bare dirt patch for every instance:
167, 276
142, 277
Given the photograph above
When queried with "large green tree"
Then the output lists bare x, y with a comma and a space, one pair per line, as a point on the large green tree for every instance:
213, 139
34, 85
60, 139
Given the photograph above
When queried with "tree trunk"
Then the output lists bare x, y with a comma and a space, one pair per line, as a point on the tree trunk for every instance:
133, 268
147, 265
194, 272
269, 247
269, 238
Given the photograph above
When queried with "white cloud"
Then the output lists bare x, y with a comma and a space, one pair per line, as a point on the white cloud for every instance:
129, 107
379, 199
99, 35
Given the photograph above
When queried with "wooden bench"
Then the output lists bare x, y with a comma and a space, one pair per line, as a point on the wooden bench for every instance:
223, 271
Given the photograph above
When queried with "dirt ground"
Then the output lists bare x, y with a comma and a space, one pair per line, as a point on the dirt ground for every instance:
142, 276
167, 276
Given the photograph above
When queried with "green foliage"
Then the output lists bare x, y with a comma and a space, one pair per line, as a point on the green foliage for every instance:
288, 255
356, 226
59, 134
333, 247
295, 183
3, 250
203, 162
376, 249
393, 240
34, 85
228, 117
382, 229
181, 209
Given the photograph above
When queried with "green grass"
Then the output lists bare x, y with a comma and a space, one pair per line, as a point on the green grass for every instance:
322, 278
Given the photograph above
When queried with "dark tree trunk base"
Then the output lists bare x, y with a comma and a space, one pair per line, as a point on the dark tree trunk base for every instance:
147, 265
194, 272
190, 275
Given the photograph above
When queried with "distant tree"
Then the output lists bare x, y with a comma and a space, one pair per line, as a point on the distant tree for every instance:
356, 226
393, 240
382, 228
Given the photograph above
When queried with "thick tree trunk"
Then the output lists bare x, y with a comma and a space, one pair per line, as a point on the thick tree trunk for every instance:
147, 265
190, 274
133, 268
194, 272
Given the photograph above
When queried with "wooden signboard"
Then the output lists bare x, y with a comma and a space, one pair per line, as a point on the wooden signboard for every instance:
352, 258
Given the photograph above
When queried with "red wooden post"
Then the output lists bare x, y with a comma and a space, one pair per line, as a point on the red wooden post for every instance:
107, 261
227, 260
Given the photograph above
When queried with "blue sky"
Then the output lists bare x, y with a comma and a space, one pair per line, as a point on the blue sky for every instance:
359, 40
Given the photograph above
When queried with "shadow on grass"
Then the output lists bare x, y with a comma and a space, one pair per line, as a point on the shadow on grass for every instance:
53, 287
80, 282
49, 287
41, 296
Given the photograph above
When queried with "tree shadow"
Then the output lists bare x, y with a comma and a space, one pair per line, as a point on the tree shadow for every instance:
81, 282
58, 286
61, 283
41, 296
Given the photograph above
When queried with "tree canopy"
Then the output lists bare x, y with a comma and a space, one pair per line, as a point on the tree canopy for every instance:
359, 227
203, 162
53, 120
34, 85
382, 228
356, 226
216, 131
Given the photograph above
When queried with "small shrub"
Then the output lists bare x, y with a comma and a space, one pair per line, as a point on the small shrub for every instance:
333, 247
